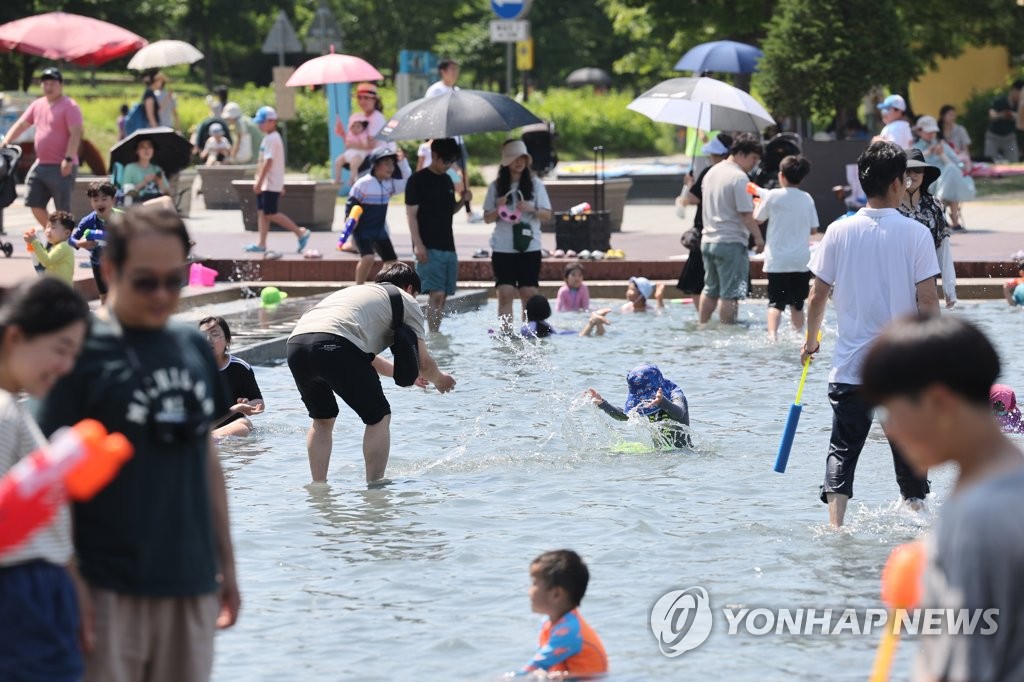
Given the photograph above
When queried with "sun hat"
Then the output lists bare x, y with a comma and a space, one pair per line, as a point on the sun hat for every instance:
51, 73
367, 89
382, 153
1002, 394
893, 102
264, 114
643, 285
915, 159
512, 150
644, 382
715, 146
216, 128
927, 124
231, 111
358, 117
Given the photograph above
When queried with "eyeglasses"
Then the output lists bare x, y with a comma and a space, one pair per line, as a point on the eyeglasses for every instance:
148, 284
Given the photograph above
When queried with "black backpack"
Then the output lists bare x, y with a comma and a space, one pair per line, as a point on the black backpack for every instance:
406, 346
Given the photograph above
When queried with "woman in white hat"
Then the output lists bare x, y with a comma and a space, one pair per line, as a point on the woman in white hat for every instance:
953, 186
516, 203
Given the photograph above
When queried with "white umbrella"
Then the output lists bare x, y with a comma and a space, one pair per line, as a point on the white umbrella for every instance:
164, 53
702, 103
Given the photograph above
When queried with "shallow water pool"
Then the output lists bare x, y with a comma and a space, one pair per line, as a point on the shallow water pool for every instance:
426, 579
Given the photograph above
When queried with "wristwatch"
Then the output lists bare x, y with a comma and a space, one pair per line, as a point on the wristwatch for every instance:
68, 159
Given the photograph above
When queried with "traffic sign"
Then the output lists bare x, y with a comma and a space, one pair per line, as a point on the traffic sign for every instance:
509, 31
282, 37
510, 9
524, 55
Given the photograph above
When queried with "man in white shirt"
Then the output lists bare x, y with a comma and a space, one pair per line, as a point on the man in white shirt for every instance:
448, 70
878, 265
896, 129
728, 213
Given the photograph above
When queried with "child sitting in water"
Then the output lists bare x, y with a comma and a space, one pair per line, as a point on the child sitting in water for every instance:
241, 380
639, 292
653, 396
1004, 406
1013, 289
558, 581
573, 295
538, 310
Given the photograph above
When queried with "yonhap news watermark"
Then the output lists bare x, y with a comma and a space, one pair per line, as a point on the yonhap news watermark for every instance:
682, 620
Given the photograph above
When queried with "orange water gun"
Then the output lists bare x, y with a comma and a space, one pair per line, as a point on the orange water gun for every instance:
754, 190
901, 589
76, 464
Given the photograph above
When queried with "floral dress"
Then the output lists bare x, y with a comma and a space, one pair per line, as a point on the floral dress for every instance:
929, 212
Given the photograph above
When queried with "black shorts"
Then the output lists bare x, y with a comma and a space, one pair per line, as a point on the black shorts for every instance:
382, 247
325, 364
267, 202
517, 269
788, 288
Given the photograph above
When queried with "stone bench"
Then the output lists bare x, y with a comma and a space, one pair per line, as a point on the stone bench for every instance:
218, 194
309, 203
565, 194
181, 192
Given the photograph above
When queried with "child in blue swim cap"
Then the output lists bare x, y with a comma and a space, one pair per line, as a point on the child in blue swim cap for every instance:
653, 396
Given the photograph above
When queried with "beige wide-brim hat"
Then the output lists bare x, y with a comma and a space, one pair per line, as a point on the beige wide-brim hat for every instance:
512, 151
927, 124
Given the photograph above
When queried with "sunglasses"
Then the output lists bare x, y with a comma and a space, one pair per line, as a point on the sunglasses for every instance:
149, 284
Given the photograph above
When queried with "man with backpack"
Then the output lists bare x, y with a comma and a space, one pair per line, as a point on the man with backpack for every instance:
333, 350
58, 122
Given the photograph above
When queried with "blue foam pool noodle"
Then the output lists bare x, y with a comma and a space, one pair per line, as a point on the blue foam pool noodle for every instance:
782, 458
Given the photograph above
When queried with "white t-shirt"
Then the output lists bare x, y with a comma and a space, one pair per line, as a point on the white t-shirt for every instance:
361, 314
898, 132
52, 542
723, 198
874, 261
439, 88
501, 238
793, 217
272, 147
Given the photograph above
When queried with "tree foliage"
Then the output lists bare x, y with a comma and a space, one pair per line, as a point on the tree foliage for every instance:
821, 56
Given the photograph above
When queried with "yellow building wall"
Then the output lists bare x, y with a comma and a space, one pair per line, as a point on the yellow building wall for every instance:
953, 81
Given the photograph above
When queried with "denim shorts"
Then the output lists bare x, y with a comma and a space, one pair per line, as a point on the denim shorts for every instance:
440, 272
726, 270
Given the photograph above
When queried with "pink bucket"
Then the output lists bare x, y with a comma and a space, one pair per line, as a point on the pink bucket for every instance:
201, 276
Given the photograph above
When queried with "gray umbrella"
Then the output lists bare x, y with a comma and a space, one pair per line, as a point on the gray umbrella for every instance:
588, 75
461, 112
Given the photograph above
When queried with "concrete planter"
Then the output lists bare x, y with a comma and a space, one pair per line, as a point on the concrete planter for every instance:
216, 183
181, 192
565, 194
308, 202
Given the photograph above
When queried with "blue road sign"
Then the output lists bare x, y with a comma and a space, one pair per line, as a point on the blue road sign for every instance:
510, 9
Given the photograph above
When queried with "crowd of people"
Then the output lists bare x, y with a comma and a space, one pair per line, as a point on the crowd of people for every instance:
100, 573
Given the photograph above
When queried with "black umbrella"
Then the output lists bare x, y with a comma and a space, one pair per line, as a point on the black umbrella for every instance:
588, 76
461, 112
171, 151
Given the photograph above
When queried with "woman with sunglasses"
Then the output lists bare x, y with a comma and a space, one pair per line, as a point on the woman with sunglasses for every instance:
920, 204
516, 203
43, 324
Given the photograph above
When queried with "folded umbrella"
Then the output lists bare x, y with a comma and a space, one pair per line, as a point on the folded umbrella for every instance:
460, 112
171, 151
702, 103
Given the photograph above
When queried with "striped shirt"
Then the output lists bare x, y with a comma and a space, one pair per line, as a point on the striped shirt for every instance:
53, 542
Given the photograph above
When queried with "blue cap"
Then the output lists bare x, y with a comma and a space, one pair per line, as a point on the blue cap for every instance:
264, 114
893, 102
643, 285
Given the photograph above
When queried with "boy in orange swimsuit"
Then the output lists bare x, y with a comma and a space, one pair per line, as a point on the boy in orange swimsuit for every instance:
567, 644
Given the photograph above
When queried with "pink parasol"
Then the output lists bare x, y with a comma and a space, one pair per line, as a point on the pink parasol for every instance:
334, 68
70, 37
